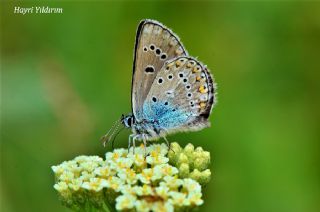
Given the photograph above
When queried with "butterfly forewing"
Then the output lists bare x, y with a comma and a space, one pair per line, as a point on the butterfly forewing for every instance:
155, 44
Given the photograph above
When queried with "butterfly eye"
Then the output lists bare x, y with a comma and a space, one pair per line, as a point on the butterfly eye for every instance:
129, 121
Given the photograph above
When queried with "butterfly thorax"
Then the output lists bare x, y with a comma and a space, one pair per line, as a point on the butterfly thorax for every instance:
143, 129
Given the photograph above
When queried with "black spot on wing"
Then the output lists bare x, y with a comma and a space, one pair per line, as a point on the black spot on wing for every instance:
149, 69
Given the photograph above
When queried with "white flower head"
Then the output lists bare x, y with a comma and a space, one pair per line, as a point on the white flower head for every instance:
125, 202
124, 163
166, 169
161, 149
135, 182
104, 171
84, 158
195, 198
137, 150
61, 186
138, 159
66, 176
172, 182
86, 176
148, 175
191, 185
58, 170
161, 206
89, 166
155, 159
162, 191
145, 190
178, 199
75, 184
128, 189
81, 158
95, 184
67, 164
143, 206
128, 175
70, 167
115, 183
116, 154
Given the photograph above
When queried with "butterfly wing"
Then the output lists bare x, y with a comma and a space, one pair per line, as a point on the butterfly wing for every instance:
181, 97
154, 45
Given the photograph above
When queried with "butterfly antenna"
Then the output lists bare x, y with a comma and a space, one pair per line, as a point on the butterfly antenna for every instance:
115, 129
115, 136
106, 138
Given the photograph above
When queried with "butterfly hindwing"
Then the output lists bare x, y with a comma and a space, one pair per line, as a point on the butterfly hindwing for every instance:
155, 44
181, 96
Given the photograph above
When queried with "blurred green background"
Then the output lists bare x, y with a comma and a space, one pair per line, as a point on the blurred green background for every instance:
66, 78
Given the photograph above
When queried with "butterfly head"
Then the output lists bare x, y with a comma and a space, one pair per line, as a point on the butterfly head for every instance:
127, 120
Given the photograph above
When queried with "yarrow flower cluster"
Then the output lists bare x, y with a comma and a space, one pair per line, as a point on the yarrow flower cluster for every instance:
128, 181
192, 162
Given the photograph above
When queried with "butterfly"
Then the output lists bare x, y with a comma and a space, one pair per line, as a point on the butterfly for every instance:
171, 91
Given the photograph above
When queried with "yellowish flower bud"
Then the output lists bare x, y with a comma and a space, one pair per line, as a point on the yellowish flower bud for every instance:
182, 159
205, 177
192, 162
195, 174
174, 151
199, 149
189, 150
184, 170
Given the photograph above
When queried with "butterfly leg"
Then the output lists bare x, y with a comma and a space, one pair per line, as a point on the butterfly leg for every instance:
134, 143
130, 136
145, 144
168, 144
